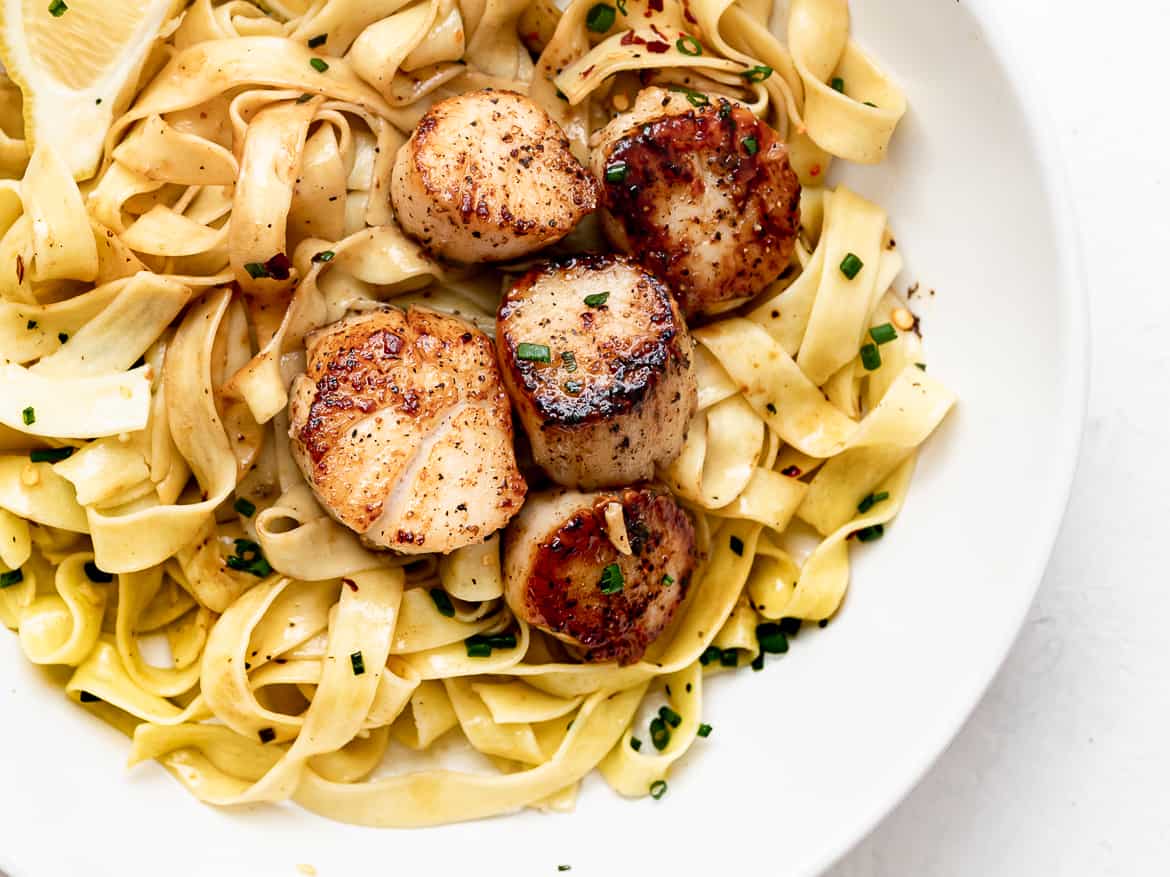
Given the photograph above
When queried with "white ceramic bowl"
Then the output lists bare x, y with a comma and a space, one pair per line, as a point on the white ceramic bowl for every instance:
807, 756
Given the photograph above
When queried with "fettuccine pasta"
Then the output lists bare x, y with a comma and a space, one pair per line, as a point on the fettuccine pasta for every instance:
154, 316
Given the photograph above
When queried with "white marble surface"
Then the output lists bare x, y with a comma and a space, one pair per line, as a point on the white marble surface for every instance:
1064, 768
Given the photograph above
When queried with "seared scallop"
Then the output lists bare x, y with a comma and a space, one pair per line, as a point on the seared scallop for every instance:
598, 361
703, 196
565, 573
403, 430
488, 176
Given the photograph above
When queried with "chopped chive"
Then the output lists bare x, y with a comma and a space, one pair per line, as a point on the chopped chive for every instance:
838, 84
323, 256
771, 407
870, 534
851, 265
256, 270
29, 416
668, 580
790, 626
569, 359
616, 172
50, 455
564, 867
305, 98
758, 662
612, 579
600, 17
621, 5
318, 65
442, 602
883, 334
688, 45
597, 299
96, 574
57, 8
502, 640
736, 545
533, 352
478, 649
573, 388
758, 73
635, 743
694, 98
871, 104
921, 366
267, 735
657, 789
245, 507
86, 697
358, 663
710, 655
873, 499
562, 96
249, 558
772, 639
31, 324
13, 577
871, 357
659, 734
318, 40
62, 337
750, 145
669, 716
704, 730
729, 658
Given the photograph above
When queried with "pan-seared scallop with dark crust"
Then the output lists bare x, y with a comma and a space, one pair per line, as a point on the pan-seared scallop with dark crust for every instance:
703, 196
598, 361
403, 430
488, 176
564, 574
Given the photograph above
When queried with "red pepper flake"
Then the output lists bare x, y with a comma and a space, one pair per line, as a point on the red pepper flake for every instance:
790, 471
657, 48
19, 268
350, 583
278, 267
814, 171
687, 14
657, 5
632, 39
659, 33
588, 70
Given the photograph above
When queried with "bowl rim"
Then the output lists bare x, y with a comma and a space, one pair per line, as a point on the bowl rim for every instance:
1072, 410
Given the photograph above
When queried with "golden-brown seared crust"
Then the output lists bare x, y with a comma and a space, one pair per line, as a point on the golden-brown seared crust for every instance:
487, 176
555, 561
403, 430
704, 197
619, 390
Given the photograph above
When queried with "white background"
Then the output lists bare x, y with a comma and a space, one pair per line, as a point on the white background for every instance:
1064, 769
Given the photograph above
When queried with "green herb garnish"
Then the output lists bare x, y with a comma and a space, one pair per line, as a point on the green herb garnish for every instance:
688, 45
657, 789
250, 559
851, 266
597, 299
358, 663
883, 334
533, 352
871, 357
612, 580
50, 455
873, 499
750, 145
29, 416
245, 507
318, 65
757, 74
600, 17
442, 602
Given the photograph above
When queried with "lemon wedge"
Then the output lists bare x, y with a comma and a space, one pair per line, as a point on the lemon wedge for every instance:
77, 62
